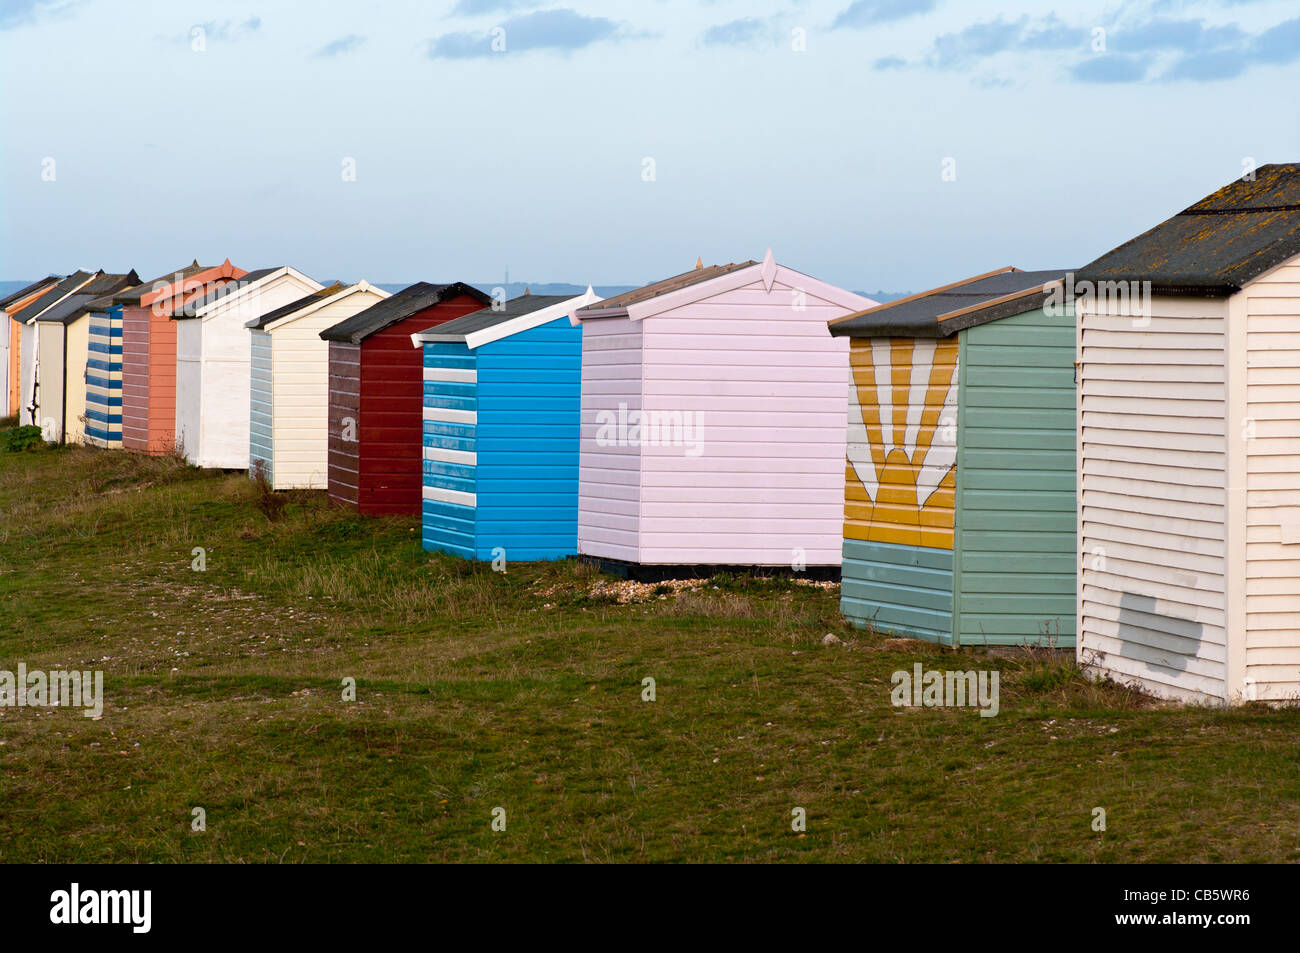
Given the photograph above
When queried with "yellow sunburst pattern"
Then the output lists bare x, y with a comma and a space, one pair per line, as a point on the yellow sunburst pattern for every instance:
901, 474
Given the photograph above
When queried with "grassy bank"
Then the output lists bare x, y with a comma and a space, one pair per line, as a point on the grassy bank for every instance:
478, 690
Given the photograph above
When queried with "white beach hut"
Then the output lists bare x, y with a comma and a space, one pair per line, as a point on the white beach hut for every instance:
213, 359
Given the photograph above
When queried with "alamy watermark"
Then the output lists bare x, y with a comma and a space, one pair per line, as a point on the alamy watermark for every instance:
1127, 298
943, 689
33, 688
651, 428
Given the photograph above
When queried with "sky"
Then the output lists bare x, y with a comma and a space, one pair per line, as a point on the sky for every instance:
874, 144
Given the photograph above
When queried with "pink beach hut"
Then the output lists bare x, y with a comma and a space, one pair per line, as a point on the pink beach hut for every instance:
714, 420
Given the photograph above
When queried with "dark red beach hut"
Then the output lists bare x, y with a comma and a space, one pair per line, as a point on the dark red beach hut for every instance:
376, 396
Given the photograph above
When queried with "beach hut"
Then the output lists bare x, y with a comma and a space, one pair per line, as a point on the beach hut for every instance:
10, 340
213, 360
288, 434
1189, 462
502, 390
376, 389
713, 413
149, 351
62, 349
104, 372
27, 339
959, 494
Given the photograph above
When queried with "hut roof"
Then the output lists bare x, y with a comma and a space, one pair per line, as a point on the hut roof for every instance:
943, 311
398, 307
65, 287
475, 324
1217, 246
305, 301
667, 285
47, 282
216, 294
83, 300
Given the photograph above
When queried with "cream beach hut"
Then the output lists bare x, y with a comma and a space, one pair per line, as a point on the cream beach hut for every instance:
1189, 454
289, 385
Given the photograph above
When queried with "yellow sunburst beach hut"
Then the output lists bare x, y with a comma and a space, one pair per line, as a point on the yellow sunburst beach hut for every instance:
959, 518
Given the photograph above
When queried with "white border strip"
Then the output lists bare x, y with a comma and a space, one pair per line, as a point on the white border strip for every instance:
455, 375
466, 457
440, 495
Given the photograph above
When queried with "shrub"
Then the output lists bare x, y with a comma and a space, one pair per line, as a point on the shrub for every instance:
21, 438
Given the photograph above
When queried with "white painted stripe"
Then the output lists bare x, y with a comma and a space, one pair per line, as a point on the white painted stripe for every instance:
882, 358
457, 375
923, 351
451, 456
451, 416
441, 495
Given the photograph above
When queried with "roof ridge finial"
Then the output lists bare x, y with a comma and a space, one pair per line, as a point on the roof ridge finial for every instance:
699, 264
527, 291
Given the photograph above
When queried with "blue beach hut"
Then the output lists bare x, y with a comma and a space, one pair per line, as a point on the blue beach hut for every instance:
502, 399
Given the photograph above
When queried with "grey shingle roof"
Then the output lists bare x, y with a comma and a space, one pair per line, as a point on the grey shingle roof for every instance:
485, 318
398, 307
1218, 245
35, 286
288, 309
66, 286
978, 299
81, 302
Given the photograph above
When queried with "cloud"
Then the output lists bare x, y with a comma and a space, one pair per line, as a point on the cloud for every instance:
990, 37
862, 13
1111, 68
889, 62
1189, 36
744, 32
1164, 48
1280, 44
16, 13
470, 8
559, 30
1205, 67
344, 44
227, 30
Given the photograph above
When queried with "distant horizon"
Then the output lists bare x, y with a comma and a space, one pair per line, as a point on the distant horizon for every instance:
513, 289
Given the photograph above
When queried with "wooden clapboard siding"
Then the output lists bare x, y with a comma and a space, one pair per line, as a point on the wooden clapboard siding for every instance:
526, 443
26, 369
907, 590
136, 329
609, 475
214, 362
48, 393
1015, 552
148, 380
5, 374
768, 385
1270, 610
189, 389
344, 421
450, 419
261, 445
300, 431
1152, 462
391, 389
104, 379
74, 411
